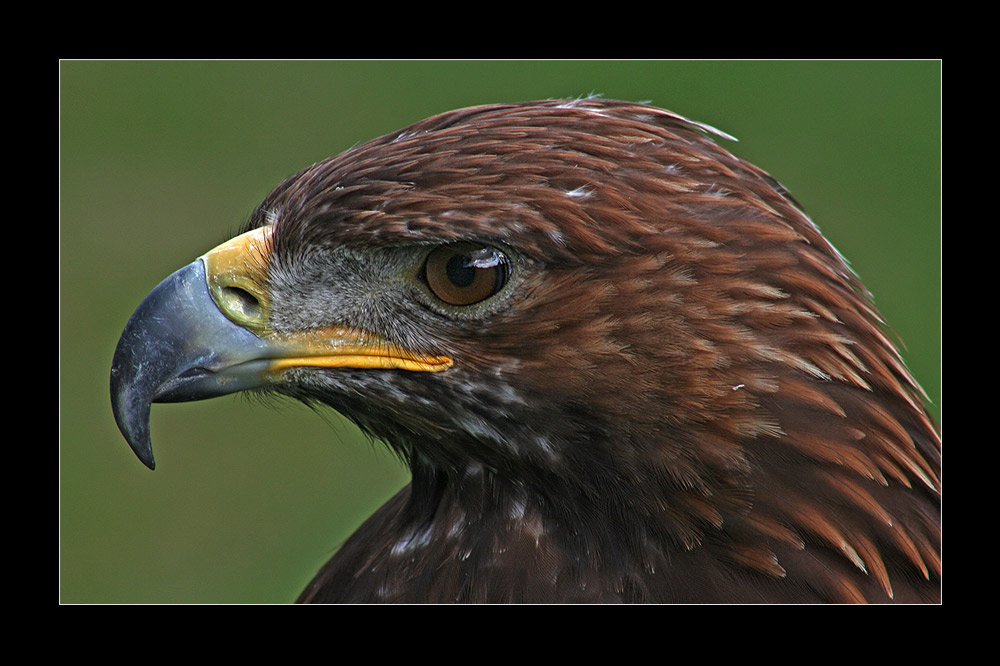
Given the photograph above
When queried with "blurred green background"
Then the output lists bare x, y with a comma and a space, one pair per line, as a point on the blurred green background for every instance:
161, 161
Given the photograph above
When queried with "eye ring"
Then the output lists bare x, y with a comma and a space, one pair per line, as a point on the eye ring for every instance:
463, 274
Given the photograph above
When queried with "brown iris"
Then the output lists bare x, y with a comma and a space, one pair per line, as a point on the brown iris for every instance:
466, 273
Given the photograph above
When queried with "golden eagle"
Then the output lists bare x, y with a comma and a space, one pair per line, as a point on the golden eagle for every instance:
621, 364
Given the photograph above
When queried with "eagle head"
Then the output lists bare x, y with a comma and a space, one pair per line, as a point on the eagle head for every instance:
621, 363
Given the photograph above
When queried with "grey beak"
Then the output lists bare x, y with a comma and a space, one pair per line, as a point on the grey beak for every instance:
179, 346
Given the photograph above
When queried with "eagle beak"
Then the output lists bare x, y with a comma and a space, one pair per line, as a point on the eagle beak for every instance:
203, 332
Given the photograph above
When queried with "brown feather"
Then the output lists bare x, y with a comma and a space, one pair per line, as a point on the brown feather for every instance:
688, 396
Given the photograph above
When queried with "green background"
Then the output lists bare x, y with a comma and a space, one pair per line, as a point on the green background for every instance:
161, 161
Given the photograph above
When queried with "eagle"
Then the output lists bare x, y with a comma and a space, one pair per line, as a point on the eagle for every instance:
621, 364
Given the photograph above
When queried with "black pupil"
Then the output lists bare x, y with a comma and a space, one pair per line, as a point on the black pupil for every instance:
461, 272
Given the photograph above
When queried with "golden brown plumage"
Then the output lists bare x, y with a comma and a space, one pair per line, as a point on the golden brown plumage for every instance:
623, 365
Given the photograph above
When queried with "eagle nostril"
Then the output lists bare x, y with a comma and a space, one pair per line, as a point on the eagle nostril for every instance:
241, 302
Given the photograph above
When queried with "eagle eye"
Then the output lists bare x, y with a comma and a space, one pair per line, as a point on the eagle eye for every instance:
466, 273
